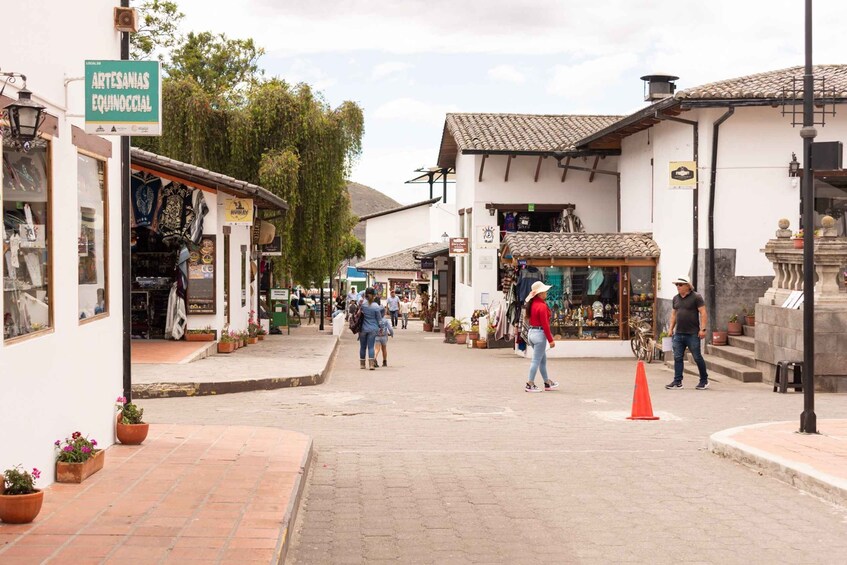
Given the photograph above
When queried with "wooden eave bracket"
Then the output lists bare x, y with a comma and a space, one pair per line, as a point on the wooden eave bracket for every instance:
482, 165
594, 169
565, 171
508, 166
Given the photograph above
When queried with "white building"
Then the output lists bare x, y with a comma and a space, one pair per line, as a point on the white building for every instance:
59, 373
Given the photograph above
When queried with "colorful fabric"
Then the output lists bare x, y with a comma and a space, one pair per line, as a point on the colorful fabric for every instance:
146, 193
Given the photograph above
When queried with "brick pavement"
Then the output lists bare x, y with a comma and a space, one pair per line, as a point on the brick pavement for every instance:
442, 458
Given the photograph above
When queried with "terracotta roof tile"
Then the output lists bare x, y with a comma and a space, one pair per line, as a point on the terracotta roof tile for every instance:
528, 245
769, 84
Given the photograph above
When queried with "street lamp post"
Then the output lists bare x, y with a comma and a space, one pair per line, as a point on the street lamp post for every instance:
808, 419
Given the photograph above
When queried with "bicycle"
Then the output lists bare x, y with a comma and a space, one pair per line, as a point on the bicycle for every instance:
642, 342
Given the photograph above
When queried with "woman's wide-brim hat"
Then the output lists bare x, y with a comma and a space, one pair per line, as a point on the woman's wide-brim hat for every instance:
537, 287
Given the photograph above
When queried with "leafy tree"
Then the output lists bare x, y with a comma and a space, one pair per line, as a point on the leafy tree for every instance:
158, 33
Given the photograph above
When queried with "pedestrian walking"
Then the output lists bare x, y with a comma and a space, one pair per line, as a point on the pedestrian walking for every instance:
393, 305
687, 327
539, 335
385, 331
404, 312
311, 306
372, 313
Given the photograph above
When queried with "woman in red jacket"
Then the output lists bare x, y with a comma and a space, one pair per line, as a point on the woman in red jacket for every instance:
539, 335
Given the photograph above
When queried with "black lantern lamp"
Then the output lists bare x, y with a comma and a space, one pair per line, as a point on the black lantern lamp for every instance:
24, 116
794, 166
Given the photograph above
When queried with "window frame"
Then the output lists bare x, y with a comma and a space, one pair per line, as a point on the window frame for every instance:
105, 190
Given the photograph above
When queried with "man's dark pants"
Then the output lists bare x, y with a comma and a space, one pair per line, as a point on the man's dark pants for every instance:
393, 318
692, 342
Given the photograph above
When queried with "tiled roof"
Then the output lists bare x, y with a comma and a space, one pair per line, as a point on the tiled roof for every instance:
429, 202
402, 260
192, 173
520, 133
528, 245
769, 85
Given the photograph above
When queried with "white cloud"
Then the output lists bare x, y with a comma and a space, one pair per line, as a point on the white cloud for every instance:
302, 70
412, 110
588, 79
389, 68
506, 73
387, 170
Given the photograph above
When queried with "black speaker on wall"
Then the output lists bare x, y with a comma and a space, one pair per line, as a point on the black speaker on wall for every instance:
827, 155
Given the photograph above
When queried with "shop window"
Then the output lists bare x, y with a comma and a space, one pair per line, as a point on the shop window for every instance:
584, 302
469, 216
27, 306
461, 260
642, 293
244, 266
92, 245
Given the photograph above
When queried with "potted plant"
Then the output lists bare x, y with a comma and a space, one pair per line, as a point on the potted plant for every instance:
798, 238
204, 334
20, 501
77, 459
261, 333
252, 329
244, 337
456, 327
749, 316
719, 337
227, 343
130, 428
734, 327
427, 316
473, 334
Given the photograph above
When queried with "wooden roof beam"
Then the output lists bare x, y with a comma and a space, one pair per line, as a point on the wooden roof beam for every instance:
594, 169
508, 166
482, 165
565, 167
538, 166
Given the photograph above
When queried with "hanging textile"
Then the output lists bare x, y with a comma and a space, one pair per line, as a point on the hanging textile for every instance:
177, 315
595, 280
177, 213
146, 197
524, 222
528, 276
198, 204
510, 222
570, 222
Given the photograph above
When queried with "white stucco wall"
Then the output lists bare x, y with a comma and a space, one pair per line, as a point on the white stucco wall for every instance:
390, 233
67, 380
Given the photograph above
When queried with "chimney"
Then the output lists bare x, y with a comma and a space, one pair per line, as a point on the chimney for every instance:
658, 86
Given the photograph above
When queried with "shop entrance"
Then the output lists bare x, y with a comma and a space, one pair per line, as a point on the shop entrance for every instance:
154, 265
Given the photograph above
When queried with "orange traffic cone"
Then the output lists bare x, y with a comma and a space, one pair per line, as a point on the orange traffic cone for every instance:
642, 408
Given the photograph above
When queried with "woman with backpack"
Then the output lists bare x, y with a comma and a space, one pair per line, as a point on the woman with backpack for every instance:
371, 313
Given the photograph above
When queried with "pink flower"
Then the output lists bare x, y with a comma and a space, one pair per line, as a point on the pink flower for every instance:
76, 435
85, 449
121, 399
68, 448
57, 443
93, 442
36, 473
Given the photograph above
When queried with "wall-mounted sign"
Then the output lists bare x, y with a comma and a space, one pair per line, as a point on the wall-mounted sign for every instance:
123, 97
682, 174
530, 207
201, 277
279, 294
428, 263
458, 246
273, 249
488, 237
238, 212
486, 263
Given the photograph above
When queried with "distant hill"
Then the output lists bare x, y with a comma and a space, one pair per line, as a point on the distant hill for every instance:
365, 200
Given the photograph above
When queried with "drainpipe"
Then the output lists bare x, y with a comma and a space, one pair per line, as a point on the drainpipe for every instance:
713, 306
126, 263
695, 207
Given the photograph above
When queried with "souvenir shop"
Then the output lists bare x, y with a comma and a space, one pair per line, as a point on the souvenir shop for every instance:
599, 282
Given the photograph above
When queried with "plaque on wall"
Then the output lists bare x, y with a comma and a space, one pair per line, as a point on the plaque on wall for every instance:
201, 277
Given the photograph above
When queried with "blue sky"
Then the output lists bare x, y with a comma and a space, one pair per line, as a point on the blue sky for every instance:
408, 62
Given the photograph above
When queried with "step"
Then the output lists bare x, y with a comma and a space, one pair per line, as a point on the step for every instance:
743, 342
734, 354
749, 331
718, 367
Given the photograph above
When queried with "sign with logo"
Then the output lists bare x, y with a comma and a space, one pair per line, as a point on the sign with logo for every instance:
123, 97
273, 249
682, 174
530, 207
201, 277
238, 212
488, 237
458, 246
428, 263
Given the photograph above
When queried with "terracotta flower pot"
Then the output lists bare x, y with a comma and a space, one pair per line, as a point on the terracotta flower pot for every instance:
20, 508
798, 244
734, 328
78, 472
253, 340
481, 344
427, 327
461, 339
719, 338
199, 337
228, 347
750, 320
132, 434
473, 336
261, 337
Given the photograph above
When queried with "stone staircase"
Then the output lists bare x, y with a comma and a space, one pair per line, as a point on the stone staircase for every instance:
735, 360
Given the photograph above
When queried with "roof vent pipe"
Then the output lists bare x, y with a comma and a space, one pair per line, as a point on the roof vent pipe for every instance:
658, 86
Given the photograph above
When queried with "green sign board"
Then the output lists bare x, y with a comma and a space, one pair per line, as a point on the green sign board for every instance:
530, 207
123, 97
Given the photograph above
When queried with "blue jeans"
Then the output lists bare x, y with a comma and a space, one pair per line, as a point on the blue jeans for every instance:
538, 341
692, 342
393, 317
366, 340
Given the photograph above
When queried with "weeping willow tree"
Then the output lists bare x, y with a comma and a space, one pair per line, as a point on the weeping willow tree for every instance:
284, 138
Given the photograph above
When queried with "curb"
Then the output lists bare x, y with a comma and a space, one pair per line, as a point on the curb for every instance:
290, 517
799, 475
176, 390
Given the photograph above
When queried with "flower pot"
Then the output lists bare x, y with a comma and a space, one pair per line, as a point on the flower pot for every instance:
750, 320
261, 337
132, 434
473, 336
20, 508
461, 339
199, 337
734, 328
798, 244
253, 340
227, 347
427, 327
719, 338
78, 472
481, 344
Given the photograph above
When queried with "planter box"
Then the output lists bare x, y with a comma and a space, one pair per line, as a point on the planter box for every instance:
501, 344
199, 337
228, 347
253, 340
78, 472
261, 337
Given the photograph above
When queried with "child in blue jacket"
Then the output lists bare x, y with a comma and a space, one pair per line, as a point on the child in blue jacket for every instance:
385, 331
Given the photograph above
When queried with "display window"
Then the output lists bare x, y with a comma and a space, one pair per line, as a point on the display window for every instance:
27, 304
584, 302
642, 293
92, 245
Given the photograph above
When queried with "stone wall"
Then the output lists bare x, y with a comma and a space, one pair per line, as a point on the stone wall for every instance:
779, 337
732, 292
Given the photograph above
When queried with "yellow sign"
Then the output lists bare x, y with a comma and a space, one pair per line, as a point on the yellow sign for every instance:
682, 174
238, 212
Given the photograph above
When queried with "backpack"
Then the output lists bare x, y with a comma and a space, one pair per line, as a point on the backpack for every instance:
356, 321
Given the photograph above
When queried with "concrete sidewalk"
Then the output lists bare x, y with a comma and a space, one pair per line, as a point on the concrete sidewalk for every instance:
300, 359
189, 494
814, 463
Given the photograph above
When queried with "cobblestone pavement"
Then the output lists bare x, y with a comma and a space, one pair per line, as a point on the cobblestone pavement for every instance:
442, 458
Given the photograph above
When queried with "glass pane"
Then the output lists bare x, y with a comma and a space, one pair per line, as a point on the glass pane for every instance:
641, 293
584, 302
26, 304
91, 245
